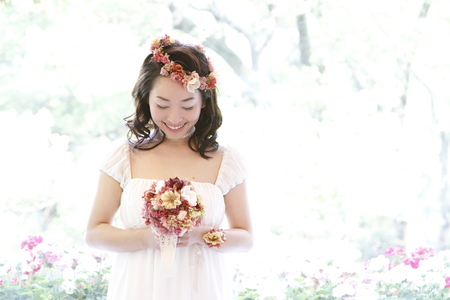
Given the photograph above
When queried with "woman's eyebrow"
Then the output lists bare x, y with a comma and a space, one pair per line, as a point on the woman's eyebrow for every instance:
184, 100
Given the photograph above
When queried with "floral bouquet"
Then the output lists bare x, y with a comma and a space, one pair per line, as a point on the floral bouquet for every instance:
171, 207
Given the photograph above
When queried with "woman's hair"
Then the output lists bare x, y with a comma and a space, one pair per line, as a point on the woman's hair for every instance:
140, 124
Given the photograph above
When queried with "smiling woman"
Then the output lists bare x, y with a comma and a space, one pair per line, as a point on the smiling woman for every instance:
187, 67
172, 135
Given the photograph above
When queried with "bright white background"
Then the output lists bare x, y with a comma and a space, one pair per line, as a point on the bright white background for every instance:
340, 167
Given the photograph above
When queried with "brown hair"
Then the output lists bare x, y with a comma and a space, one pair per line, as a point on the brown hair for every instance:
141, 125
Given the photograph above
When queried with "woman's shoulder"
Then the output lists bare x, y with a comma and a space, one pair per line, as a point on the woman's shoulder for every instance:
233, 169
116, 161
231, 152
220, 151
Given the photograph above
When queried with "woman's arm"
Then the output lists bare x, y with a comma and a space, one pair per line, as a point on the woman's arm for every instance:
240, 234
101, 234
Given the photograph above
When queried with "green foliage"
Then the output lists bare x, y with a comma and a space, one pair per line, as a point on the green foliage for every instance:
304, 291
248, 294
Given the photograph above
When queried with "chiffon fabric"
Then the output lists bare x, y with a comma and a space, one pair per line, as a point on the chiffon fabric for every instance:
200, 272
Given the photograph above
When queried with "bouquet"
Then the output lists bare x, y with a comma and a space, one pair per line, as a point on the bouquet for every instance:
171, 207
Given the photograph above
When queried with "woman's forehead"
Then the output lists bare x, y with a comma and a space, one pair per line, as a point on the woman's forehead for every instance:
166, 89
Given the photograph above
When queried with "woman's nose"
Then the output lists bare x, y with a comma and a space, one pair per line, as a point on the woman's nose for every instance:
174, 116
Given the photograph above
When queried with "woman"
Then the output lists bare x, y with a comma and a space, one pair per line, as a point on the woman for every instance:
172, 134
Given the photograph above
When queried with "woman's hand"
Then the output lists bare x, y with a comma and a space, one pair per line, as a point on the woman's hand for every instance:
193, 236
151, 238
240, 232
100, 232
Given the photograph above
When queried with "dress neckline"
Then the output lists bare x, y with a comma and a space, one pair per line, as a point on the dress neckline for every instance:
224, 155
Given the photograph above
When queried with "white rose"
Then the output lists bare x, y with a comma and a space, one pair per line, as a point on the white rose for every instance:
189, 195
194, 83
159, 185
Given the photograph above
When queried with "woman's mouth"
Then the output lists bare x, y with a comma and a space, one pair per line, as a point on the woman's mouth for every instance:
175, 128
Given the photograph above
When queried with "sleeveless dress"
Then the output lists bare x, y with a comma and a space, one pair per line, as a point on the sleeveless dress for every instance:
200, 272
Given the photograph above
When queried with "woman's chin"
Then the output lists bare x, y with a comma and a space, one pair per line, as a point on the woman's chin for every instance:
179, 135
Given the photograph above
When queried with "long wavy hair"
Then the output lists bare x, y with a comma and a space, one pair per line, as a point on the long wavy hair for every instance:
142, 130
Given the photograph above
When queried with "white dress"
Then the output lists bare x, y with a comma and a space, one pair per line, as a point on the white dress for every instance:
200, 272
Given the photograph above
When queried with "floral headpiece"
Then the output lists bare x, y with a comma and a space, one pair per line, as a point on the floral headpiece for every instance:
189, 80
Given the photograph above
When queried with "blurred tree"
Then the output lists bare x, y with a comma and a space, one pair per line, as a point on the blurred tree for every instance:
384, 58
305, 47
240, 41
357, 88
76, 72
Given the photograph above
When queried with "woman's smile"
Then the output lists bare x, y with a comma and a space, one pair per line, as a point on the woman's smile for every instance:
175, 128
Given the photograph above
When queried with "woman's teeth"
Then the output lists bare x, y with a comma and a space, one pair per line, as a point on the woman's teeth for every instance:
175, 127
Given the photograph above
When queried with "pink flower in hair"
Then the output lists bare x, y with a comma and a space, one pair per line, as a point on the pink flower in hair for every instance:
210, 65
179, 77
177, 68
202, 83
160, 56
189, 80
211, 81
167, 41
166, 70
200, 47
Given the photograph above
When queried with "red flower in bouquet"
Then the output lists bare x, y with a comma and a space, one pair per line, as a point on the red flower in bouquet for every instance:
172, 207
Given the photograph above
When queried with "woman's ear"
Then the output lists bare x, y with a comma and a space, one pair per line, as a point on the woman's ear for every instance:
205, 98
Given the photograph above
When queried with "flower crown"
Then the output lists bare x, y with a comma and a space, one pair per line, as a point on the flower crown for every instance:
189, 80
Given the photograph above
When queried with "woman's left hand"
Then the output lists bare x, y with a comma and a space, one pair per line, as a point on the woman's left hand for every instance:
193, 236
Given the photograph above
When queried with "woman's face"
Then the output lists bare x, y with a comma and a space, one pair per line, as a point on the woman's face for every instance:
174, 110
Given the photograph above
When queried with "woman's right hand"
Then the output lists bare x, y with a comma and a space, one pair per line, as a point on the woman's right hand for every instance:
151, 238
100, 232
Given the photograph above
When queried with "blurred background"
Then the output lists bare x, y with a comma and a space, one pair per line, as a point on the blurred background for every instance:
341, 109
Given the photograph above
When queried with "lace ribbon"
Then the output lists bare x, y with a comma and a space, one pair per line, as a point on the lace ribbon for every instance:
168, 244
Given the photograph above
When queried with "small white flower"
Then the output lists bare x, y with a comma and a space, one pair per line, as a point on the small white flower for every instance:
159, 185
189, 195
343, 290
181, 215
68, 286
378, 264
434, 278
367, 293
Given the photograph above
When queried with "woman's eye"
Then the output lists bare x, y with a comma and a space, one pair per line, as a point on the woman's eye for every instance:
189, 108
162, 107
